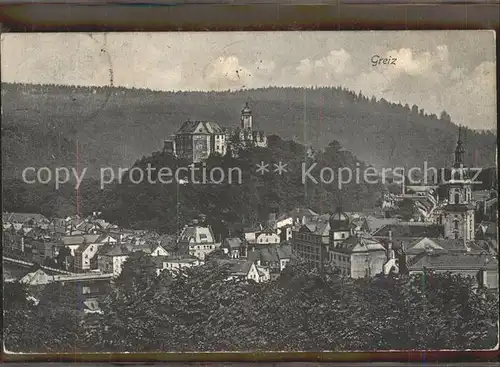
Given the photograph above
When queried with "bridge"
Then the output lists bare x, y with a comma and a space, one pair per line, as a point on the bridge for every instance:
30, 264
83, 277
64, 276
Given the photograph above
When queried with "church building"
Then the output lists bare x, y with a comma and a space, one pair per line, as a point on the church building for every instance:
457, 215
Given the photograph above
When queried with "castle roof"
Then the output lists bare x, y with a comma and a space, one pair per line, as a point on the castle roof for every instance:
200, 127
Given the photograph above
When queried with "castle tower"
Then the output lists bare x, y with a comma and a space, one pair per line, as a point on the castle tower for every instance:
246, 118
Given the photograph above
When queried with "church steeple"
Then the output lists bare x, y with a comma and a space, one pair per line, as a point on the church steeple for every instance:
459, 150
246, 118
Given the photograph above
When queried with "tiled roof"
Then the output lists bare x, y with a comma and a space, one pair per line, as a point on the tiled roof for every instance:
73, 240
319, 227
375, 223
236, 267
200, 127
251, 229
111, 249
232, 243
443, 246
147, 246
297, 213
359, 244
454, 262
488, 246
23, 217
408, 229
184, 259
198, 234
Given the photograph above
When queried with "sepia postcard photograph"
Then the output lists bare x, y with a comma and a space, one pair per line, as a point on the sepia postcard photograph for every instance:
248, 192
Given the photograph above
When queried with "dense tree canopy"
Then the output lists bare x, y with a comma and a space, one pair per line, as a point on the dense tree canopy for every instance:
200, 310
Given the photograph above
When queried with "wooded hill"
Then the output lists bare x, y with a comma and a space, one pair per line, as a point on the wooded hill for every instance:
116, 126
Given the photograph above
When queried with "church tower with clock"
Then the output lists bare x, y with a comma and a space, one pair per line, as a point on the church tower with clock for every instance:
458, 214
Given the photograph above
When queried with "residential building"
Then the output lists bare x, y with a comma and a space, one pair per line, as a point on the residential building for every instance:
272, 259
265, 237
153, 248
111, 257
442, 246
84, 254
197, 239
358, 256
402, 233
242, 269
286, 222
250, 234
264, 273
12, 242
175, 264
42, 251
310, 242
233, 247
37, 277
334, 241
483, 267
74, 242
19, 220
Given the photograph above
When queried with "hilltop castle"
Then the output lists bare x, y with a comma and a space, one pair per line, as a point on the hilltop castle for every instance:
197, 140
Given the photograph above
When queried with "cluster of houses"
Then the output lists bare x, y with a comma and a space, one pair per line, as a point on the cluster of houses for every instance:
448, 237
91, 245
444, 236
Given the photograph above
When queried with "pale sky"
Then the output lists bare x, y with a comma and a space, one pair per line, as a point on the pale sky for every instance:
437, 70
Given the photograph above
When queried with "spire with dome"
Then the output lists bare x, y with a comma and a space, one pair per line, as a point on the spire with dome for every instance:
459, 150
339, 221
